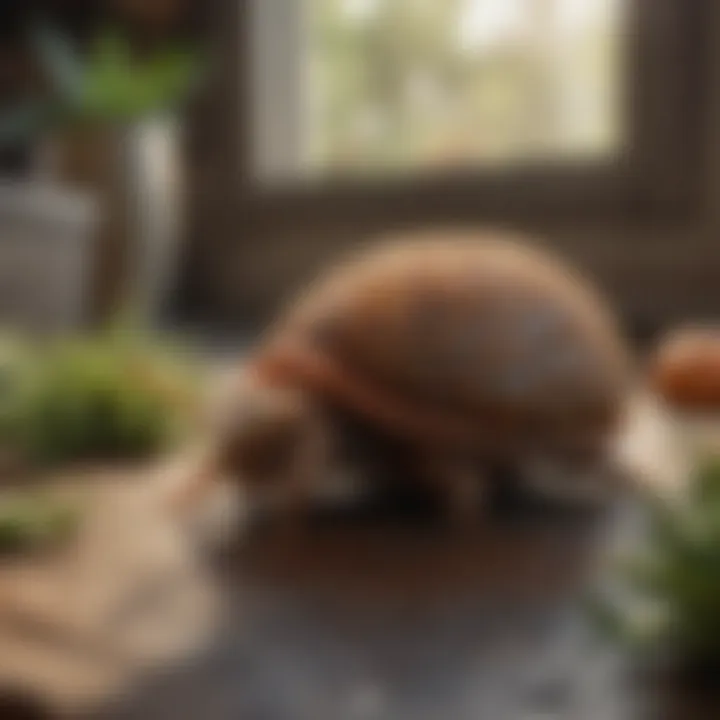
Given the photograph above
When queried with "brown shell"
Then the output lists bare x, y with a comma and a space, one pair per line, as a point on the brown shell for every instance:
452, 337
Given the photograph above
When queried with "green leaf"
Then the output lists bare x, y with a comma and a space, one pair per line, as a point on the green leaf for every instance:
705, 482
108, 83
636, 625
33, 520
22, 123
114, 394
118, 86
60, 61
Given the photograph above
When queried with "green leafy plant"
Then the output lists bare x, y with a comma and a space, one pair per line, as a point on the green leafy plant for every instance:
13, 366
34, 521
108, 83
669, 590
117, 394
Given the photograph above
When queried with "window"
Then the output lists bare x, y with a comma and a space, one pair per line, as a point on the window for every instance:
367, 88
405, 84
598, 117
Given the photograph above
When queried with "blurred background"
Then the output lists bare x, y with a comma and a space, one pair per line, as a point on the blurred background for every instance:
590, 123
199, 162
236, 148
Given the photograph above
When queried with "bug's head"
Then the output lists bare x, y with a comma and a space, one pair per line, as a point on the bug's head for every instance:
267, 437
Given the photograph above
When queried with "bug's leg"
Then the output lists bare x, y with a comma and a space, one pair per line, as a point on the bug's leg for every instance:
293, 512
309, 470
584, 485
198, 482
460, 486
465, 499
610, 476
292, 506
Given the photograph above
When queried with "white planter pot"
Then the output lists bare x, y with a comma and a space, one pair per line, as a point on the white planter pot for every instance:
46, 237
102, 224
155, 214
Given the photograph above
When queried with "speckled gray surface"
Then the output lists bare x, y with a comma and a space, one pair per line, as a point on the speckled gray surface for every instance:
425, 628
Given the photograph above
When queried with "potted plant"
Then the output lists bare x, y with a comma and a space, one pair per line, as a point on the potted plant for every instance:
98, 84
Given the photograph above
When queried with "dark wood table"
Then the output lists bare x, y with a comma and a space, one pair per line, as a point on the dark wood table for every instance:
399, 619
383, 614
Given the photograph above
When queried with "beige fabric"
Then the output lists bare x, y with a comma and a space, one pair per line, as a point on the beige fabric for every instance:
128, 594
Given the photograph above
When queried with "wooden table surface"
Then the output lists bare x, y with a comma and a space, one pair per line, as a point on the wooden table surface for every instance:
375, 617
403, 622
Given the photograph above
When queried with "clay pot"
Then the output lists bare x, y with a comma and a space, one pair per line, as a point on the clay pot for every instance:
685, 368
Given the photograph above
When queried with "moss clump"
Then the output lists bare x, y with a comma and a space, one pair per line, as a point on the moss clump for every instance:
670, 588
14, 359
115, 395
36, 521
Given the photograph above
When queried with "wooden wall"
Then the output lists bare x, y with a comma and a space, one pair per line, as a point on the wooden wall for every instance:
657, 253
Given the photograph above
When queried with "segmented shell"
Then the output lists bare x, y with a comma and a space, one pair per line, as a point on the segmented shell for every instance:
484, 331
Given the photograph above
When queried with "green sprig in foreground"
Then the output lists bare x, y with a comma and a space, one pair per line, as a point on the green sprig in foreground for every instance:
668, 591
114, 395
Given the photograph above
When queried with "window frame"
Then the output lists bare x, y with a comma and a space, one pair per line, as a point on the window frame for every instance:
655, 175
248, 246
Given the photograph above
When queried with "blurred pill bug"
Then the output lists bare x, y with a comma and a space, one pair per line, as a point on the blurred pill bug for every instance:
452, 344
